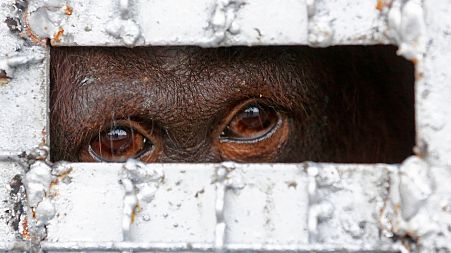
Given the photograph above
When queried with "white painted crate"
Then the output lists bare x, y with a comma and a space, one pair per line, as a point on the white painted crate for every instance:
410, 201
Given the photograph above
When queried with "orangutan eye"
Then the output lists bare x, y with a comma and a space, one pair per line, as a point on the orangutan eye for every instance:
117, 144
253, 123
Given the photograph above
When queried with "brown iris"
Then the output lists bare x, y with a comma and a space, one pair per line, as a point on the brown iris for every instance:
117, 144
253, 123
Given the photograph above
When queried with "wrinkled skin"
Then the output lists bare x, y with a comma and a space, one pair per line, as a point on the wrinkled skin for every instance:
342, 104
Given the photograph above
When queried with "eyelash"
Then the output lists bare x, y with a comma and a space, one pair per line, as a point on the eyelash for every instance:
261, 109
124, 123
153, 143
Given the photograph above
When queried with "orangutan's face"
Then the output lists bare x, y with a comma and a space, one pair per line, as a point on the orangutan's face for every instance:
264, 104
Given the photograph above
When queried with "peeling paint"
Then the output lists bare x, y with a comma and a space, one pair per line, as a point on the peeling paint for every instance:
221, 187
318, 210
126, 30
406, 27
4, 79
45, 212
222, 21
320, 34
37, 182
415, 186
46, 19
58, 35
124, 27
17, 215
412, 204
68, 10
140, 186
40, 208
23, 229
320, 31
9, 64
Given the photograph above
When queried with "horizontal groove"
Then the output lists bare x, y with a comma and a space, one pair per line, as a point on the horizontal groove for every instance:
188, 247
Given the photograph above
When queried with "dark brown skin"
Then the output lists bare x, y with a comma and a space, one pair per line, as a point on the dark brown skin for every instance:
341, 104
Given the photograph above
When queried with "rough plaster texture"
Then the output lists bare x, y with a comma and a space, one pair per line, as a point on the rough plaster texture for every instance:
23, 92
270, 206
433, 90
215, 23
7, 171
386, 208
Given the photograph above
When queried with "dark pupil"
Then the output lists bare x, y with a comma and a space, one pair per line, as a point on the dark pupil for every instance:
117, 140
255, 118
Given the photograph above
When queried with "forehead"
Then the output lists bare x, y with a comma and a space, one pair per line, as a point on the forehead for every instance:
176, 69
166, 81
169, 57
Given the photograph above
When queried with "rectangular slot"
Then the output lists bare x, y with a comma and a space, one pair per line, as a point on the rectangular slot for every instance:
344, 104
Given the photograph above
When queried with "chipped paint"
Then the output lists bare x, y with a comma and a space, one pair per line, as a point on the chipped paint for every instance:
9, 64
415, 186
123, 26
23, 229
372, 207
321, 34
40, 208
4, 79
68, 10
222, 21
406, 27
37, 182
46, 20
318, 210
58, 35
140, 186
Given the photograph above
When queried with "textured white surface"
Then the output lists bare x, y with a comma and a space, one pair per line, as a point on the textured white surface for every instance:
346, 22
355, 206
23, 99
271, 206
357, 194
7, 171
213, 23
88, 208
433, 90
23, 103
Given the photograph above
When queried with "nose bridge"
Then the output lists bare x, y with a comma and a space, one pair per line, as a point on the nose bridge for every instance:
200, 153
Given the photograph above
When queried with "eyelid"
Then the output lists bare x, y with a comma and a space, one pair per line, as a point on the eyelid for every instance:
242, 106
258, 138
98, 159
129, 123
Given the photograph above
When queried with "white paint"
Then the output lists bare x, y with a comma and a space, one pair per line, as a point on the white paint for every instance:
318, 212
270, 206
46, 18
45, 212
407, 28
415, 186
321, 34
260, 208
37, 182
433, 91
9, 64
223, 22
357, 194
223, 19
341, 22
7, 171
220, 229
211, 23
130, 203
23, 92
140, 186
310, 7
124, 27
